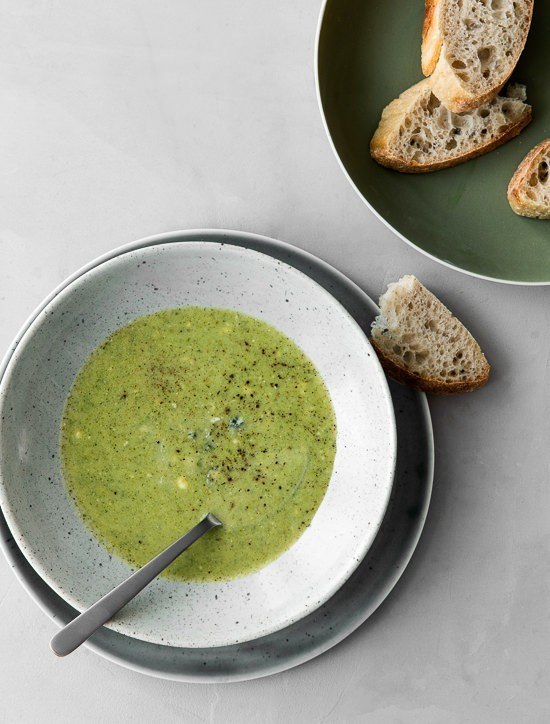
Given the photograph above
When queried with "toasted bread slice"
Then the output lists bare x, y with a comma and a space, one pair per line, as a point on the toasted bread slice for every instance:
418, 134
470, 47
420, 343
529, 189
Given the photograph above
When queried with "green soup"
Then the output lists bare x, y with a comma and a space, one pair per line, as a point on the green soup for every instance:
194, 410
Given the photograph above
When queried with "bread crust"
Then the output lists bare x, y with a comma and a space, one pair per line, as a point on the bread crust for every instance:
522, 205
427, 384
446, 85
431, 36
379, 144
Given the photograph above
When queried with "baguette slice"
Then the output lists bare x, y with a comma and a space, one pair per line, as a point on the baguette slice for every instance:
470, 47
529, 189
417, 133
420, 343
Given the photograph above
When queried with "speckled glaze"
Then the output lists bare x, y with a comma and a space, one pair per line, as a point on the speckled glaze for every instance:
39, 375
362, 593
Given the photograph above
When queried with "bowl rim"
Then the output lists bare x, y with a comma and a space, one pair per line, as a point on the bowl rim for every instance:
198, 236
318, 94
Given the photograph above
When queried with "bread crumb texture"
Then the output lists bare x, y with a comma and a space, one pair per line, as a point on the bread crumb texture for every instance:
483, 39
529, 189
418, 132
421, 343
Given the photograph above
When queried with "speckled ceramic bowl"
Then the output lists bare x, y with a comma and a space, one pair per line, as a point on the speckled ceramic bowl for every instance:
45, 522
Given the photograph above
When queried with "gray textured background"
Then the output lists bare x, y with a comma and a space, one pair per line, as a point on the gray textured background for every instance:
125, 119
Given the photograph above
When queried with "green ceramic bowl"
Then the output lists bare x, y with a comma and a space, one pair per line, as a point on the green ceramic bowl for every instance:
368, 52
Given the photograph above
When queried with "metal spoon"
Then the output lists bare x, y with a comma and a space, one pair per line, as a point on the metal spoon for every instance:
82, 627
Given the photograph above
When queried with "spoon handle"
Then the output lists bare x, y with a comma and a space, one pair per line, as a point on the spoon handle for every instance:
84, 625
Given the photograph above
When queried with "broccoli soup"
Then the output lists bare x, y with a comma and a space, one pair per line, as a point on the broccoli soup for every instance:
193, 410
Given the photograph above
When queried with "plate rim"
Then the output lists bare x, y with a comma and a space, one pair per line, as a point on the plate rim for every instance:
454, 267
389, 583
207, 246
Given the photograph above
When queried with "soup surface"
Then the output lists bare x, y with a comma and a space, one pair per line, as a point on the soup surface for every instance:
193, 410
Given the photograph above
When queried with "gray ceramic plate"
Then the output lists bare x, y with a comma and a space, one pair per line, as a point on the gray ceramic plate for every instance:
360, 595
368, 52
